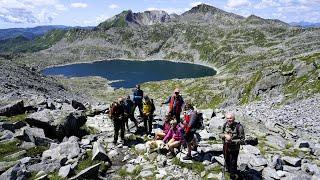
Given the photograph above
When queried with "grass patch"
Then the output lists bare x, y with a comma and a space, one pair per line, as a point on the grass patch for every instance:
248, 88
195, 166
123, 172
311, 58
85, 162
35, 151
9, 148
17, 118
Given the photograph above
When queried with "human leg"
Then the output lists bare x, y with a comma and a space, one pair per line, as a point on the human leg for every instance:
116, 128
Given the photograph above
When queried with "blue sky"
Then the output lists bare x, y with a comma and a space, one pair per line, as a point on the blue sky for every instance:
30, 13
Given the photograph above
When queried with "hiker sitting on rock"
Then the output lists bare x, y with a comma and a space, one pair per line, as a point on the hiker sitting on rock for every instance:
190, 123
129, 113
166, 127
116, 113
232, 136
174, 137
148, 109
137, 99
175, 104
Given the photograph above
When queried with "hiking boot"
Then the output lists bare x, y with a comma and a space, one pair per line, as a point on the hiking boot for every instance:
187, 157
170, 155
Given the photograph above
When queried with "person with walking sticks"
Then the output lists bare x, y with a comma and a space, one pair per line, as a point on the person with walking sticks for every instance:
232, 136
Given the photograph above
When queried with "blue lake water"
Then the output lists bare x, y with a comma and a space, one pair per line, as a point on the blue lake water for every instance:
131, 73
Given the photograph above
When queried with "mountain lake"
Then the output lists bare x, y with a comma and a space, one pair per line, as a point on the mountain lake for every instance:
128, 73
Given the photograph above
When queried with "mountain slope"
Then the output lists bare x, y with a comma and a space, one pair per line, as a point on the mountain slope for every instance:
257, 58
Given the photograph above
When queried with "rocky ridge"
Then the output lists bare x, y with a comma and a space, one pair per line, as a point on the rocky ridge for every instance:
272, 151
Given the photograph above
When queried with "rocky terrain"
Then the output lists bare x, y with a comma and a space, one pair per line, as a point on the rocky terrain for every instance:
269, 75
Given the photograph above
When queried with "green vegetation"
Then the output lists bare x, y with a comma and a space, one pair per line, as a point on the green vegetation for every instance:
8, 148
195, 166
249, 87
17, 118
311, 58
38, 150
85, 162
123, 173
23, 45
215, 101
118, 22
179, 56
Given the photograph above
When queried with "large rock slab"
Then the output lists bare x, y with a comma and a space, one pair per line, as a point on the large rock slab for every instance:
46, 167
17, 172
64, 171
12, 109
99, 153
292, 161
58, 123
69, 150
268, 173
88, 173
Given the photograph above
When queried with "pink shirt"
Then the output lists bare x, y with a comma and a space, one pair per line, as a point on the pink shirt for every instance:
174, 133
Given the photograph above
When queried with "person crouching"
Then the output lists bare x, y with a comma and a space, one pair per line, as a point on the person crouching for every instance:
173, 138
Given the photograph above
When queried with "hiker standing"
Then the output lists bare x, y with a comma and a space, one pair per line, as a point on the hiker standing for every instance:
190, 128
148, 109
129, 113
137, 99
232, 136
116, 113
175, 104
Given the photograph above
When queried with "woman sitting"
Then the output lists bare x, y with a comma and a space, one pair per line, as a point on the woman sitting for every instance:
173, 138
166, 127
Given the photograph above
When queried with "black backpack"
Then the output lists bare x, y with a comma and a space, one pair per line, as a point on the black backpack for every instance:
153, 108
199, 122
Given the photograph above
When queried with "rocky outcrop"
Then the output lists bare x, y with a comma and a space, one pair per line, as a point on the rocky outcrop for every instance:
12, 109
58, 123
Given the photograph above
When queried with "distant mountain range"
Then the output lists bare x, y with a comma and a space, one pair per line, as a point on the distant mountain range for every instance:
305, 24
31, 33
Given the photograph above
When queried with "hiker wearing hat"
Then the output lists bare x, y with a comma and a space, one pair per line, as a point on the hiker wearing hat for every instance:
137, 99
232, 136
148, 109
116, 113
175, 104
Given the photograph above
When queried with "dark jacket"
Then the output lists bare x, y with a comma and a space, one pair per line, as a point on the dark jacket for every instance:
175, 104
236, 131
116, 111
137, 96
128, 106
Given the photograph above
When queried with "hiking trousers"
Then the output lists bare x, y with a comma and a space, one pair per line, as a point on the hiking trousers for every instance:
147, 122
231, 158
118, 125
140, 106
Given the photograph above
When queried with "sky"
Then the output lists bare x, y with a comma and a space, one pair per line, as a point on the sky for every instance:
31, 13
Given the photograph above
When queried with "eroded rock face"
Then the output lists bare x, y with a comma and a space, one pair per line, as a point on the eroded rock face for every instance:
69, 150
58, 123
12, 109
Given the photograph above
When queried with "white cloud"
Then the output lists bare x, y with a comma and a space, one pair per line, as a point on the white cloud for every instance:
60, 7
266, 4
79, 5
193, 4
28, 11
237, 3
169, 10
113, 6
95, 21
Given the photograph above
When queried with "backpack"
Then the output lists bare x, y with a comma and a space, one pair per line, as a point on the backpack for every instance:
199, 122
153, 108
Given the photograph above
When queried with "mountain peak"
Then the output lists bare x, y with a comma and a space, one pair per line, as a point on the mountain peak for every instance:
203, 8
129, 18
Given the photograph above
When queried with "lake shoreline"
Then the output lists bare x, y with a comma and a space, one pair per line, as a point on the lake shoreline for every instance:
132, 59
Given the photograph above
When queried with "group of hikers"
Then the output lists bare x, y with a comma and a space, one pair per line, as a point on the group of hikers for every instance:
175, 132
